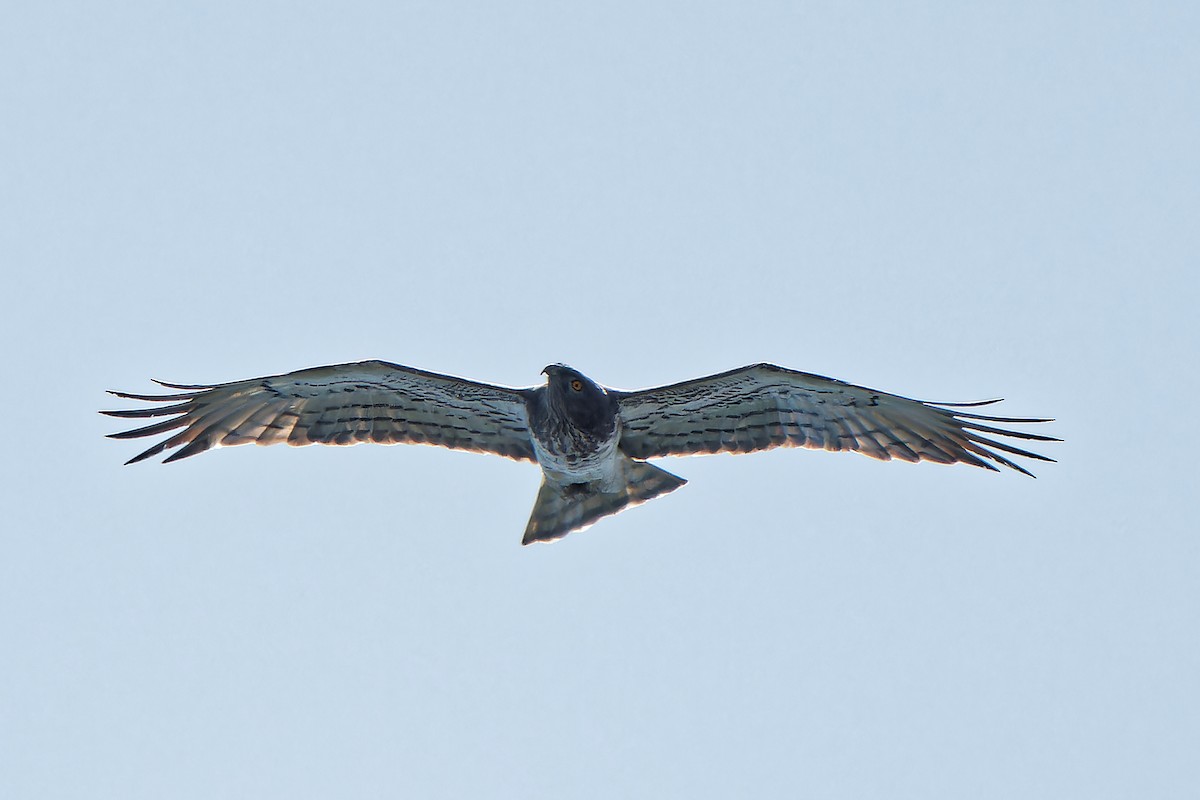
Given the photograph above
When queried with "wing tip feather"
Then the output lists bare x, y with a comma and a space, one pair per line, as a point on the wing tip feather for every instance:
194, 387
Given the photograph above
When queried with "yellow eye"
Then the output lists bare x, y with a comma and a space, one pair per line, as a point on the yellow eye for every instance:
577, 385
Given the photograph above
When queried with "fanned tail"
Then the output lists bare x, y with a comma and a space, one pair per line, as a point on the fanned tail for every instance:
559, 509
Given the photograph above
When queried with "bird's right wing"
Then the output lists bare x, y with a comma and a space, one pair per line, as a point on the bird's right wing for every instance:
367, 401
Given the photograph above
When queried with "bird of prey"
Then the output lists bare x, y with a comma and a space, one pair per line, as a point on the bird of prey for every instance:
590, 441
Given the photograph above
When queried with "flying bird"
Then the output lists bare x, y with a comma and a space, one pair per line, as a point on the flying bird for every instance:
590, 441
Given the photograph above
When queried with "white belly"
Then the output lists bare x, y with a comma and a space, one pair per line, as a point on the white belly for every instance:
599, 466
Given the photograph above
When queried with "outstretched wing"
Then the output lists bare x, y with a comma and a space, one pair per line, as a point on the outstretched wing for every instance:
764, 406
369, 401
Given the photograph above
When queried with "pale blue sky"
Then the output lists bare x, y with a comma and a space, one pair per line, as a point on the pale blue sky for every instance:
944, 200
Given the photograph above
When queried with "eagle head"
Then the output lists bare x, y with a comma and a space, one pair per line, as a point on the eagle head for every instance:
580, 399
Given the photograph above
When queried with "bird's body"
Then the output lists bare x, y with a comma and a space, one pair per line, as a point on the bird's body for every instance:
574, 432
575, 425
589, 441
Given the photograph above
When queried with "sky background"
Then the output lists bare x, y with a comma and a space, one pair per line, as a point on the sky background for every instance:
943, 200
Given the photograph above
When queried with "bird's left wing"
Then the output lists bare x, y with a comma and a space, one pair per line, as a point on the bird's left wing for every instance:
764, 406
368, 401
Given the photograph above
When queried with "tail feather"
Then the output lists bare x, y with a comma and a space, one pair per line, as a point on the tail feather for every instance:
560, 509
